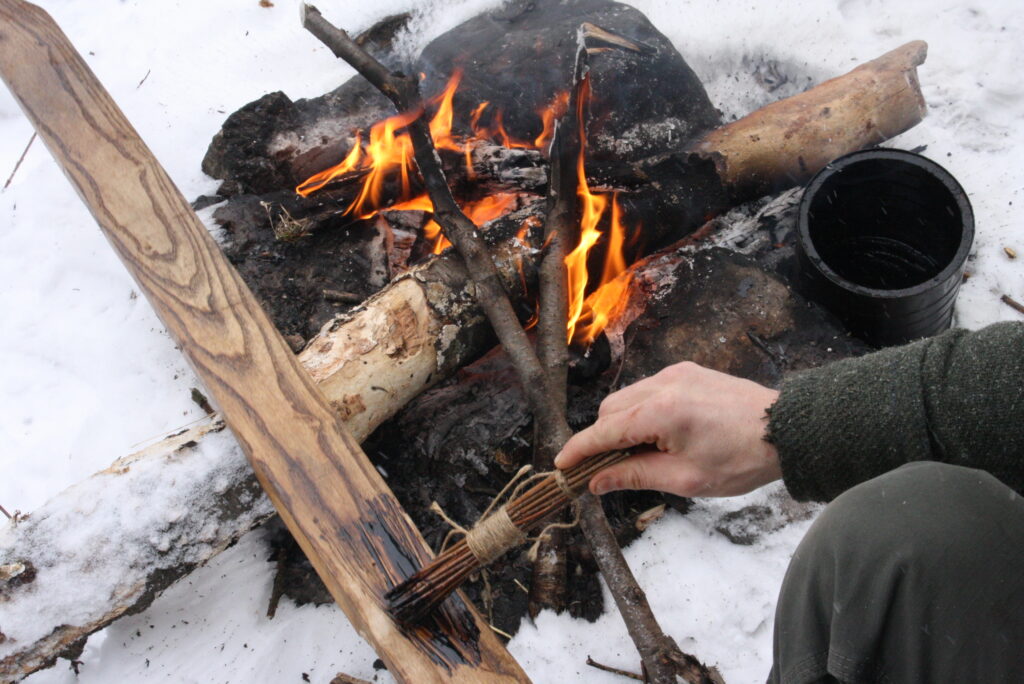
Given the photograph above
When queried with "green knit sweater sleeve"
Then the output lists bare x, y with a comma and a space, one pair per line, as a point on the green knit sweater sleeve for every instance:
957, 398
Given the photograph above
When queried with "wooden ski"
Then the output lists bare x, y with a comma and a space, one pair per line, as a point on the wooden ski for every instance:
326, 490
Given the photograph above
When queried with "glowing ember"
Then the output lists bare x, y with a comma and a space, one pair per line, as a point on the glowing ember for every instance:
479, 212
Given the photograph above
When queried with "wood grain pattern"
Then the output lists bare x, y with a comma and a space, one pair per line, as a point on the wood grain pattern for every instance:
330, 496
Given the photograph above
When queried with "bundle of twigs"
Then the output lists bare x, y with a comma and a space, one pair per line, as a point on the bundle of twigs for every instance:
416, 597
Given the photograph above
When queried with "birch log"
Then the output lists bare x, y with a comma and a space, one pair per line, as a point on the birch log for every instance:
787, 142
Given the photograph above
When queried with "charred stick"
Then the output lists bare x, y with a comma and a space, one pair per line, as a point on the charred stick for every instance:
548, 585
490, 294
659, 653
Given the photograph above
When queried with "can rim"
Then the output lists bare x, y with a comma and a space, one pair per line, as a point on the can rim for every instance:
818, 263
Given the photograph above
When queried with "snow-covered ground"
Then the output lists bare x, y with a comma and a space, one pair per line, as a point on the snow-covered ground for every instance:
87, 373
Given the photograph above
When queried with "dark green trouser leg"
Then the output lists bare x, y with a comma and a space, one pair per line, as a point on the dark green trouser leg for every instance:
916, 576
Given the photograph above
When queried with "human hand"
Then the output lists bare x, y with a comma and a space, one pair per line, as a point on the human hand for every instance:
708, 429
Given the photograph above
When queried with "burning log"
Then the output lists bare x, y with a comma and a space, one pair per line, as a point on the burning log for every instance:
486, 169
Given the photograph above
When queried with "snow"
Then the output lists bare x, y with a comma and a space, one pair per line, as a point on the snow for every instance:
85, 548
89, 375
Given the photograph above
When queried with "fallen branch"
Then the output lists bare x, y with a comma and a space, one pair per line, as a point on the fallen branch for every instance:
1012, 303
614, 670
17, 165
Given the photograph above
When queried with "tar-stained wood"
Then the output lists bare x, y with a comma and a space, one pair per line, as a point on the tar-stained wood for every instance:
332, 499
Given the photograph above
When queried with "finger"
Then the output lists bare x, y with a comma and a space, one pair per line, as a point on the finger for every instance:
656, 470
627, 396
616, 431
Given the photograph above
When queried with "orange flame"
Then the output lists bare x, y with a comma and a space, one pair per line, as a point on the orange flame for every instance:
605, 304
548, 115
479, 212
495, 130
591, 208
441, 124
590, 314
389, 153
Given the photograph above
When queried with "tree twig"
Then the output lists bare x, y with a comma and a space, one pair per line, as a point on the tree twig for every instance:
614, 670
20, 159
548, 585
1013, 303
657, 651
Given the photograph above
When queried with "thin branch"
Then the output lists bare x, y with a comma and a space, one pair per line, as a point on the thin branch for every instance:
20, 159
614, 670
4, 511
656, 649
1013, 303
548, 584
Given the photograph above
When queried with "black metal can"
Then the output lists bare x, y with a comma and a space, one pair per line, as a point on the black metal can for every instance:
883, 242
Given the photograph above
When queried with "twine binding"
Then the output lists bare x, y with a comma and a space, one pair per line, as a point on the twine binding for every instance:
495, 534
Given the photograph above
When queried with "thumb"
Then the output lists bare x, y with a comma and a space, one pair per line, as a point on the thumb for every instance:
645, 470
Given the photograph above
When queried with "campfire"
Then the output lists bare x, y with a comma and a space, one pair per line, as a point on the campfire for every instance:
584, 213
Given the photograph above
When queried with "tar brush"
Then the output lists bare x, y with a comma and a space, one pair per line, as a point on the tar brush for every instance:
506, 528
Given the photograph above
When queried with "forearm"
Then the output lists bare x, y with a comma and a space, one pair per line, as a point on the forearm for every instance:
957, 398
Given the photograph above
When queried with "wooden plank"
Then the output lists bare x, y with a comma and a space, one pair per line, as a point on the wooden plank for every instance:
332, 499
